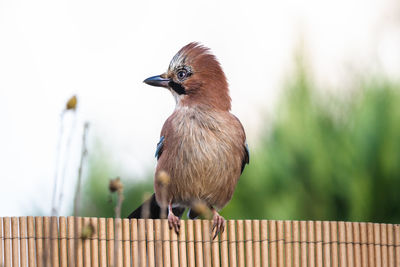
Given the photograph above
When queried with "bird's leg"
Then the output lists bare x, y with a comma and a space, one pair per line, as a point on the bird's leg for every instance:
173, 221
218, 223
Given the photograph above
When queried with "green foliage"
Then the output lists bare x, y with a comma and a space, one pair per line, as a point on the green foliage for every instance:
322, 158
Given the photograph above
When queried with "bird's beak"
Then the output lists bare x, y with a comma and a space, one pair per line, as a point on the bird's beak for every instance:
157, 81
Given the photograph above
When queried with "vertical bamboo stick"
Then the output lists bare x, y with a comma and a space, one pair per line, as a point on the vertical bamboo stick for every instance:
256, 243
182, 245
326, 243
377, 246
391, 245
158, 243
364, 246
150, 242
397, 243
39, 241
134, 242
102, 242
174, 248
288, 244
23, 242
280, 237
94, 242
198, 243
14, 241
248, 244
240, 242
86, 242
296, 245
54, 242
7, 241
371, 252
349, 244
318, 245
47, 245
224, 249
118, 245
384, 245
126, 244
303, 243
110, 241
1, 242
311, 243
166, 243
342, 244
206, 243
63, 241
334, 242
232, 243
78, 242
272, 242
357, 247
70, 241
31, 242
142, 242
190, 244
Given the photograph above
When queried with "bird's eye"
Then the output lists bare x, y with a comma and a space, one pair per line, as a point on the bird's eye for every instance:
181, 74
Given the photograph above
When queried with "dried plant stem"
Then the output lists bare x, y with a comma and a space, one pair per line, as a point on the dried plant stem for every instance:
54, 210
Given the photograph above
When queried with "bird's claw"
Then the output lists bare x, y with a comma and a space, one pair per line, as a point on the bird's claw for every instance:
174, 222
218, 224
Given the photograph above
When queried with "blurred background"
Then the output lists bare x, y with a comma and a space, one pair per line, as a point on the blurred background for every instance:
316, 85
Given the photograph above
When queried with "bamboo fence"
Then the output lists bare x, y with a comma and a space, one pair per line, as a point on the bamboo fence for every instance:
89, 242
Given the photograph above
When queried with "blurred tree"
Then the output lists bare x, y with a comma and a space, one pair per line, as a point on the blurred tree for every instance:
321, 158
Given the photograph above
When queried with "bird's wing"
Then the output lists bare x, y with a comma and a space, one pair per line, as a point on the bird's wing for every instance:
246, 158
159, 148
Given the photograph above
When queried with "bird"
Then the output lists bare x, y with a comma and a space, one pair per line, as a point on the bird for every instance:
202, 149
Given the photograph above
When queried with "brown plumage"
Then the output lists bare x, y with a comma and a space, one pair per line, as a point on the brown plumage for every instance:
203, 146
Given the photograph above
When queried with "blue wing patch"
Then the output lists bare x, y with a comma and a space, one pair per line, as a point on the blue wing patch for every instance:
246, 158
159, 148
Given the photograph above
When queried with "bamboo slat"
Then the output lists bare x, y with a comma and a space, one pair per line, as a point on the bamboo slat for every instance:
224, 249
182, 245
102, 242
397, 243
94, 242
14, 242
174, 247
364, 246
166, 243
86, 242
296, 244
248, 243
377, 245
46, 244
342, 244
288, 244
349, 244
240, 243
142, 242
70, 241
384, 243
63, 241
256, 243
23, 241
110, 241
39, 241
371, 248
357, 247
190, 244
391, 254
311, 243
134, 241
303, 243
334, 246
126, 245
7, 241
198, 243
118, 242
318, 246
78, 242
1, 243
232, 244
272, 244
326, 239
158, 243
150, 242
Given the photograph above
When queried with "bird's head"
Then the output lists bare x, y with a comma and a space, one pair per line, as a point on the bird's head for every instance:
195, 77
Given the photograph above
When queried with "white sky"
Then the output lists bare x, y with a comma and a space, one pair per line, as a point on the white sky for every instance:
102, 51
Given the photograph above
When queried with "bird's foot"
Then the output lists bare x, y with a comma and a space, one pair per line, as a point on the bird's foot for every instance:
218, 223
173, 221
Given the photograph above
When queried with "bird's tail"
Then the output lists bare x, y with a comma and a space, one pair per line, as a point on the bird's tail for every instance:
151, 210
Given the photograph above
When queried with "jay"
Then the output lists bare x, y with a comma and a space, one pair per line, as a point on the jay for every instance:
202, 150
